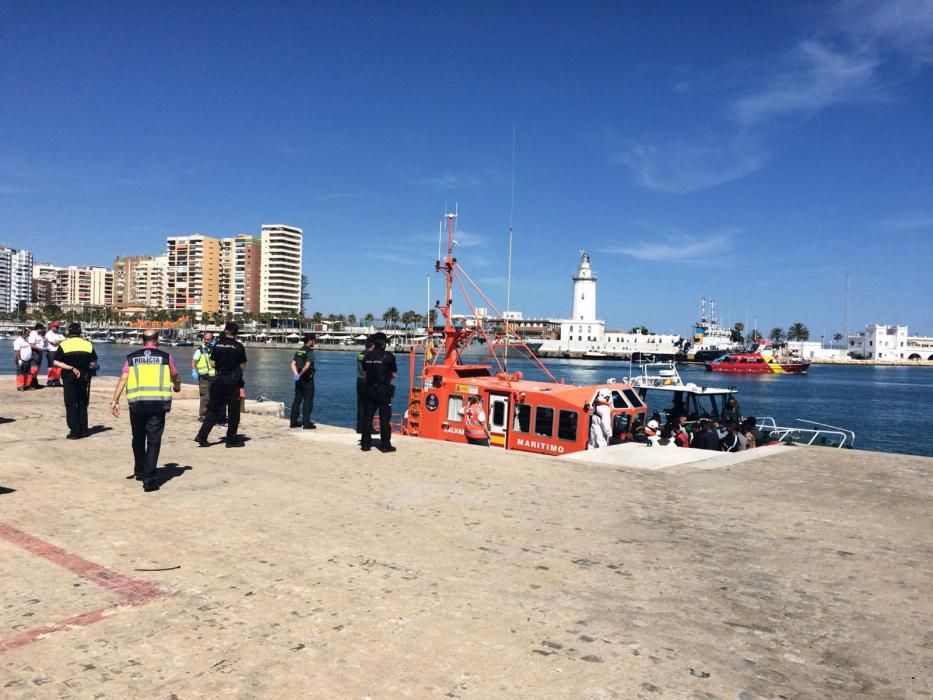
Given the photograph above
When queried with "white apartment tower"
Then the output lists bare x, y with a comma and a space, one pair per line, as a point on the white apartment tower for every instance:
150, 283
584, 292
15, 278
280, 269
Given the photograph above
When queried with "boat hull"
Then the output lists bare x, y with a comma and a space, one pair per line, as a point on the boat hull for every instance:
759, 368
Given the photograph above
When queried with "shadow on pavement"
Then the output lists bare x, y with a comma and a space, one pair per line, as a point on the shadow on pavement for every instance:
4, 489
94, 429
169, 472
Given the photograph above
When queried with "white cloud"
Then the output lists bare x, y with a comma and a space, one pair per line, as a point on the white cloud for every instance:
909, 221
682, 167
816, 77
447, 181
673, 245
902, 25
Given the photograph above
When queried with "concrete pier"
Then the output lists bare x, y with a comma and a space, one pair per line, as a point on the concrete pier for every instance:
298, 566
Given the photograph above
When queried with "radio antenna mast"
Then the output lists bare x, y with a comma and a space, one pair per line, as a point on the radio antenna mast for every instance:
508, 283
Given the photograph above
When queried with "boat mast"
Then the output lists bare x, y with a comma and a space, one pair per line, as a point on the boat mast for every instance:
450, 333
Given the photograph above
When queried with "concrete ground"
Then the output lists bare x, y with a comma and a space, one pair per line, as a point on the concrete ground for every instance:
301, 567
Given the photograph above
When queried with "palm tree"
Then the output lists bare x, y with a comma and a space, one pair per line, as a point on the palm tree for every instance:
391, 316
754, 336
316, 319
351, 320
369, 320
798, 331
736, 333
776, 335
837, 337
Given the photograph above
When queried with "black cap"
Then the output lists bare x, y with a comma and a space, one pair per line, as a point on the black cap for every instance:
232, 328
379, 338
38, 326
310, 336
74, 329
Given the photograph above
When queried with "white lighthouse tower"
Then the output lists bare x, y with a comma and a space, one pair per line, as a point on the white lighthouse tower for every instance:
584, 292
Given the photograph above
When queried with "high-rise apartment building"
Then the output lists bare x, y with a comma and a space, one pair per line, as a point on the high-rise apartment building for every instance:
280, 269
15, 278
194, 264
81, 286
240, 274
6, 278
150, 283
124, 281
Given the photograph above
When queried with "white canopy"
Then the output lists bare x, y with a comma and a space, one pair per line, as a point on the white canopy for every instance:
293, 335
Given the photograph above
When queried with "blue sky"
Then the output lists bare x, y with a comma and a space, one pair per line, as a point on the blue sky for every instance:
750, 152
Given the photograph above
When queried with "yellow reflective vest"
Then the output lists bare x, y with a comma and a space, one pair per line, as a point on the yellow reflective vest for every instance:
149, 383
204, 366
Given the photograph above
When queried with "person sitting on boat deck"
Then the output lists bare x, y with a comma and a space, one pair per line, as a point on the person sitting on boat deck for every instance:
734, 440
751, 433
732, 412
679, 430
474, 422
600, 421
704, 436
638, 432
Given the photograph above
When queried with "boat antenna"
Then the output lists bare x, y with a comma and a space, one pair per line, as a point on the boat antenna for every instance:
845, 320
508, 283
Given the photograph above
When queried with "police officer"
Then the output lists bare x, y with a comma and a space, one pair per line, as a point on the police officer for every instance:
77, 357
150, 377
229, 359
202, 370
303, 374
379, 365
361, 385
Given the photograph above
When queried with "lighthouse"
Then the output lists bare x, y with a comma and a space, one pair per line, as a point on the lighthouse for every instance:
584, 292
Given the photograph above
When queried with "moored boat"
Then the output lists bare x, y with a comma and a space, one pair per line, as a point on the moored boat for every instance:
542, 416
759, 359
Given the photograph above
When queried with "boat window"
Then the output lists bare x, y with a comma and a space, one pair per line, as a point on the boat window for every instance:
473, 372
633, 398
617, 400
455, 407
498, 413
522, 421
544, 421
567, 425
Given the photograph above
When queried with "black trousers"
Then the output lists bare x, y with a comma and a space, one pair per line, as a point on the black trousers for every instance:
303, 401
360, 399
147, 428
373, 403
225, 392
77, 393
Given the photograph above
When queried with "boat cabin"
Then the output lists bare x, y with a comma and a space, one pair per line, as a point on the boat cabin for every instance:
530, 416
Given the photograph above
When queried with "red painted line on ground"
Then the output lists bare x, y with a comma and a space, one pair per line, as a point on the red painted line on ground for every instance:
130, 589
133, 592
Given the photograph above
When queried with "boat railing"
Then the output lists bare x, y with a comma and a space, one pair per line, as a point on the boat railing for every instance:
821, 434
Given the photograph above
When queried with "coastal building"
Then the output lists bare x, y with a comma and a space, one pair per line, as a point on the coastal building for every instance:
280, 270
6, 278
240, 274
883, 342
15, 279
150, 283
81, 287
583, 335
124, 280
194, 264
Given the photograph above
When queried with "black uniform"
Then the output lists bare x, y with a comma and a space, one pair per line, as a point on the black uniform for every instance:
379, 366
228, 355
304, 388
360, 390
80, 354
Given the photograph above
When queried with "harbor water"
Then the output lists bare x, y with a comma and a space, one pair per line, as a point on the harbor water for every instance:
889, 408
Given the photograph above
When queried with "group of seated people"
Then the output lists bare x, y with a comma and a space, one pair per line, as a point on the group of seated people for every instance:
727, 433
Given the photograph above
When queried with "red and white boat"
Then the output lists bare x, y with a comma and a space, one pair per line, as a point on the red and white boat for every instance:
759, 359
543, 416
